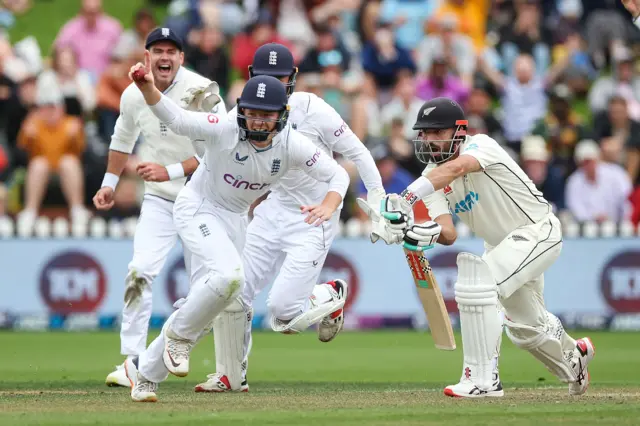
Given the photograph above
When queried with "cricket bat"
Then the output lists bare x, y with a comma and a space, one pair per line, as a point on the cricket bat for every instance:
431, 299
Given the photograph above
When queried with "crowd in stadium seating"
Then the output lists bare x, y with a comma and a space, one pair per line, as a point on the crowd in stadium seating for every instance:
554, 81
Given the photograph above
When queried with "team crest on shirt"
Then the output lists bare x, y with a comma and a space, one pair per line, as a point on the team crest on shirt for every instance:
275, 166
295, 126
447, 190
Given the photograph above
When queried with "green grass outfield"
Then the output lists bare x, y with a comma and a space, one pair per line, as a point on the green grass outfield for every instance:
372, 378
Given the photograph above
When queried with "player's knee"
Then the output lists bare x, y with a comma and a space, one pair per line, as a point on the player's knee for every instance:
138, 275
284, 308
234, 279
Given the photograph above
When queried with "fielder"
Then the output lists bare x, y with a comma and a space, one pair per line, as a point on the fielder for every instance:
474, 178
155, 233
280, 248
245, 155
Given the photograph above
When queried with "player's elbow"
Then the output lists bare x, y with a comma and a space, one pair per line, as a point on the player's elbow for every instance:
456, 169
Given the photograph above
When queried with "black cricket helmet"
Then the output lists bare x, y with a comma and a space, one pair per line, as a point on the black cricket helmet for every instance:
263, 93
275, 60
436, 114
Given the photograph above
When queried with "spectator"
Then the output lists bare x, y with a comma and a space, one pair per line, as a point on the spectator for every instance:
526, 36
624, 81
328, 51
244, 45
441, 82
208, 57
18, 107
75, 84
479, 104
616, 132
472, 16
143, 23
562, 128
53, 142
394, 178
403, 149
92, 35
384, 58
407, 17
367, 20
404, 106
447, 42
110, 87
549, 180
524, 100
365, 113
597, 191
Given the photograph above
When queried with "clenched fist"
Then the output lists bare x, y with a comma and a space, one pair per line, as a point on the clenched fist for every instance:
103, 200
152, 172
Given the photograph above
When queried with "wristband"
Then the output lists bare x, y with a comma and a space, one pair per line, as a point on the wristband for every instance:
175, 171
110, 180
421, 188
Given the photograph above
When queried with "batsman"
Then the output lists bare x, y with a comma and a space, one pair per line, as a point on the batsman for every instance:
474, 178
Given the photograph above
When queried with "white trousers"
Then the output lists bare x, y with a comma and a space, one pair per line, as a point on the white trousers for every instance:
154, 238
518, 264
284, 250
215, 238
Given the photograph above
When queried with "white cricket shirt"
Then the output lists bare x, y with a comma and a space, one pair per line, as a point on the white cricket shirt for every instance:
318, 121
494, 201
160, 145
235, 173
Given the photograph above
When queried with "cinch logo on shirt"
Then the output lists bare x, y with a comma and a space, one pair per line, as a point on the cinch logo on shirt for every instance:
313, 160
466, 205
340, 130
237, 182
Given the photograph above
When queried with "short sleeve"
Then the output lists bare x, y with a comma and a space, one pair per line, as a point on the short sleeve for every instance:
484, 149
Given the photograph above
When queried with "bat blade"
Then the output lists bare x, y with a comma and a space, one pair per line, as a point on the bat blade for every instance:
432, 300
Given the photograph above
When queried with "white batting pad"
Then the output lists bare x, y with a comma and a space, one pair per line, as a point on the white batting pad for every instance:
322, 302
477, 298
232, 337
551, 345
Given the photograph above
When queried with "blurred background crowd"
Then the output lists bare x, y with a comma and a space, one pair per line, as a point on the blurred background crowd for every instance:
555, 81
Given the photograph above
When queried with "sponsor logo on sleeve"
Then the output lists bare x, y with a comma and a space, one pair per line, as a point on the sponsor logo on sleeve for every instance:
340, 131
314, 159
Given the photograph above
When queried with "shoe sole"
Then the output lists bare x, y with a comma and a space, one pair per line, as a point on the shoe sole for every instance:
346, 294
148, 399
452, 394
593, 350
200, 389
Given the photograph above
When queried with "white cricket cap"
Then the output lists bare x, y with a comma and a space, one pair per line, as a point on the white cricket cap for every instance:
534, 148
586, 150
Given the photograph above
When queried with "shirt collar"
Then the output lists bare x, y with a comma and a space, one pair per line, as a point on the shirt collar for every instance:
180, 75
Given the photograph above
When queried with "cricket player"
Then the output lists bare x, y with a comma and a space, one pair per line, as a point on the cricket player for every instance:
474, 178
280, 248
246, 154
167, 159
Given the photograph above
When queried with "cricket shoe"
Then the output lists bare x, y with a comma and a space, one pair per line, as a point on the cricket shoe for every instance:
466, 389
176, 353
582, 356
331, 325
118, 377
217, 382
142, 390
